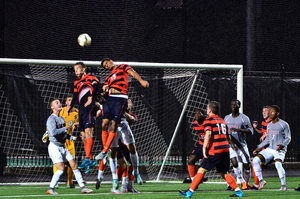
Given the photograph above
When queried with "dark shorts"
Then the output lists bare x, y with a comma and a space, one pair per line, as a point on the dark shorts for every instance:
87, 116
198, 152
220, 160
114, 108
123, 152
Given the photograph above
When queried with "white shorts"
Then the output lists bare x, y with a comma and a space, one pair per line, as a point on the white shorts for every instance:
271, 154
124, 133
59, 153
242, 155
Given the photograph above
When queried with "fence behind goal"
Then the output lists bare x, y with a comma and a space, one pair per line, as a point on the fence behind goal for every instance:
27, 86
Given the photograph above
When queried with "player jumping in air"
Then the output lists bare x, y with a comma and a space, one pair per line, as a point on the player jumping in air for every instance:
116, 85
277, 140
197, 154
85, 88
239, 126
215, 151
57, 150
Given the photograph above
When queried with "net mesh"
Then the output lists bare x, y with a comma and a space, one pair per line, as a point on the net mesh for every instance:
26, 91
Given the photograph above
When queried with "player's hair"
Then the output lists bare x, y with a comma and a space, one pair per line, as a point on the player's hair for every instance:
80, 63
269, 107
68, 96
200, 110
214, 107
105, 59
238, 102
277, 108
50, 103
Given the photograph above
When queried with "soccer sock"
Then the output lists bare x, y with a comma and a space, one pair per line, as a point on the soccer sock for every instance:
192, 171
55, 178
89, 147
232, 183
102, 166
113, 167
120, 171
85, 149
100, 174
130, 169
111, 138
130, 184
197, 180
125, 173
104, 137
257, 168
135, 162
78, 177
54, 169
281, 172
238, 174
247, 175
256, 183
70, 176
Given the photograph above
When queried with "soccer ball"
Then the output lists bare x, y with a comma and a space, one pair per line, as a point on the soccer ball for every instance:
84, 40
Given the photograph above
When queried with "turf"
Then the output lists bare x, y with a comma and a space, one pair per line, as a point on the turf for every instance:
155, 190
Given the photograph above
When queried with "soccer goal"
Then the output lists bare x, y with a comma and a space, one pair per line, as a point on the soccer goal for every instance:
175, 92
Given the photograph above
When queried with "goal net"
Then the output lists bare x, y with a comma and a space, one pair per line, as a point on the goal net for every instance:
175, 92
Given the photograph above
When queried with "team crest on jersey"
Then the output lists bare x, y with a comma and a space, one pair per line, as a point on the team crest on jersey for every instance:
113, 77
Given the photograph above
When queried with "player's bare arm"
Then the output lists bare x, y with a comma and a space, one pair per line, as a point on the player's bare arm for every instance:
206, 140
246, 131
89, 101
279, 147
233, 146
255, 152
129, 117
105, 88
255, 126
136, 76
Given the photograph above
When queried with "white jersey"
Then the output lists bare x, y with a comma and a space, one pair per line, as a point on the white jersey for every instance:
240, 122
277, 134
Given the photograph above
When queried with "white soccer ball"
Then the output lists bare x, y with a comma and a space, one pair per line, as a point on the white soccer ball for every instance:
84, 40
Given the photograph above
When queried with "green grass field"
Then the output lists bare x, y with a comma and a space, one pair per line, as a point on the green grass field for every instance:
155, 190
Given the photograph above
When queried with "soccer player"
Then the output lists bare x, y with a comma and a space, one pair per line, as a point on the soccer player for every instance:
116, 85
277, 140
197, 153
85, 88
215, 151
239, 126
73, 121
263, 130
57, 150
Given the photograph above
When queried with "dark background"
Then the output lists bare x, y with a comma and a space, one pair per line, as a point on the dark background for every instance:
261, 35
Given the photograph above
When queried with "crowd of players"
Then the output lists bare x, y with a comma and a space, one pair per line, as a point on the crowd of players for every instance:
221, 141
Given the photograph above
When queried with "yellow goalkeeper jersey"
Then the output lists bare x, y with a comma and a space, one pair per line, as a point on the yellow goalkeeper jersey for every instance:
71, 118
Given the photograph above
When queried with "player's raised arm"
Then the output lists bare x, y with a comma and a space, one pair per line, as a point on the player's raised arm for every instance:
136, 76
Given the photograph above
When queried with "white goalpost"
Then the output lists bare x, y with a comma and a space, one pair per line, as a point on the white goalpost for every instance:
176, 91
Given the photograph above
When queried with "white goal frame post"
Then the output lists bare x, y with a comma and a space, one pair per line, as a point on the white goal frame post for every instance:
239, 69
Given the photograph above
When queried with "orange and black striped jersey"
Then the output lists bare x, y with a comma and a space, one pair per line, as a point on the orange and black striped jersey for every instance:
118, 78
83, 88
199, 128
218, 142
264, 125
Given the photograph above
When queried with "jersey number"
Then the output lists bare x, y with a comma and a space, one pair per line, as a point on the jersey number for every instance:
70, 123
221, 128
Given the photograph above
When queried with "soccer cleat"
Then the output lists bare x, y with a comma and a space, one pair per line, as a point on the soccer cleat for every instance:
115, 191
229, 188
89, 167
103, 155
132, 190
45, 137
85, 163
187, 193
86, 190
238, 194
253, 188
71, 186
98, 183
138, 178
124, 185
51, 191
245, 186
115, 184
262, 183
283, 188
297, 189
